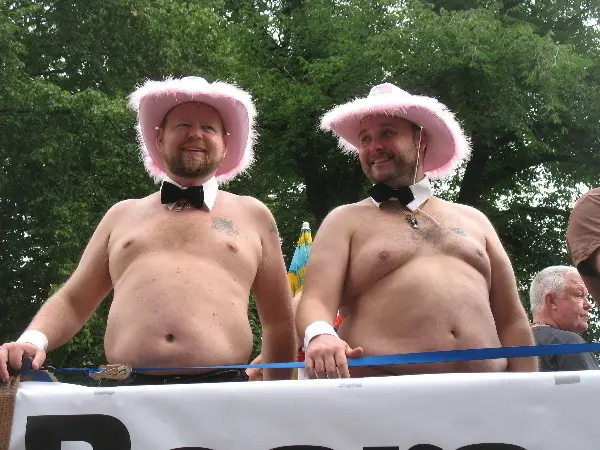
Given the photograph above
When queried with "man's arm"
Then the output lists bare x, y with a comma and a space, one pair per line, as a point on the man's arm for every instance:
511, 319
592, 282
296, 302
65, 312
324, 281
274, 300
257, 374
325, 273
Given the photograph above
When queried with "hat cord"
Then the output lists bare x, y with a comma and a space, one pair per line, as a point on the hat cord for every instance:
418, 155
415, 177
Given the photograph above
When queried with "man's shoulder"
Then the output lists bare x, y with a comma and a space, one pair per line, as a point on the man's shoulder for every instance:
350, 212
249, 208
467, 211
244, 201
359, 207
463, 209
123, 206
550, 335
570, 361
117, 214
591, 195
586, 208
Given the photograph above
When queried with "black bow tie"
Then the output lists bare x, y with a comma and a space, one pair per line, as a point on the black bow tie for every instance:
382, 192
171, 194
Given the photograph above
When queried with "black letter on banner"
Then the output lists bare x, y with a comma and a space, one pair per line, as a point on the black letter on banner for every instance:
425, 447
493, 446
381, 448
100, 431
301, 447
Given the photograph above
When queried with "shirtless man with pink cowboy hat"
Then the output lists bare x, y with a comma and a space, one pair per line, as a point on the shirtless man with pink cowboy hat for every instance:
182, 261
416, 273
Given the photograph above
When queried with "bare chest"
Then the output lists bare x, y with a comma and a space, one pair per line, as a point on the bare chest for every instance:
387, 242
222, 238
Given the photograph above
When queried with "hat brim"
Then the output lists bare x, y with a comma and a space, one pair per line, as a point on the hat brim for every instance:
446, 143
155, 99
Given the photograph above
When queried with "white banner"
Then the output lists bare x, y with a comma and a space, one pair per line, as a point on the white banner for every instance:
512, 411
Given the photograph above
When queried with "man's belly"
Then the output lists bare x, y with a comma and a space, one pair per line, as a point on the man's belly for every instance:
193, 317
418, 309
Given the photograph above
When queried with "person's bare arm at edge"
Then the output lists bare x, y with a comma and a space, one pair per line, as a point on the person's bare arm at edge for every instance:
65, 312
593, 282
326, 354
255, 374
274, 300
510, 316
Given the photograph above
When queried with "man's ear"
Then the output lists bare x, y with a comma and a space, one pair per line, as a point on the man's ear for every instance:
160, 139
225, 139
550, 301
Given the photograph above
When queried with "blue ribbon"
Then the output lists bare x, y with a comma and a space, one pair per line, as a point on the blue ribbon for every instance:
406, 358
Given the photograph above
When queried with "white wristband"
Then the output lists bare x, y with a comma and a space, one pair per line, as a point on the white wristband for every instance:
36, 338
315, 329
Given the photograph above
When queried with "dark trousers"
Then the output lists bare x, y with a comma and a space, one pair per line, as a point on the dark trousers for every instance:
214, 376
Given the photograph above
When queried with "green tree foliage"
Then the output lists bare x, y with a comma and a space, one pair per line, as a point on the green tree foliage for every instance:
113, 45
68, 149
522, 77
528, 101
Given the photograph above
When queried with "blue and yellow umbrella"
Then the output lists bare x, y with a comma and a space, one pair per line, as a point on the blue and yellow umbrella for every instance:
299, 260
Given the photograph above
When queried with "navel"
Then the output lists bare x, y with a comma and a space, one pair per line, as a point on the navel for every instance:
128, 243
170, 337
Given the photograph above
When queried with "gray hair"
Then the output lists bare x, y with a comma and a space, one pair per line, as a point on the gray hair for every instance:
550, 280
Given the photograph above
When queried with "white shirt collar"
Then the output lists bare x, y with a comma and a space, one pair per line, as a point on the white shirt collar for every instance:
421, 191
210, 187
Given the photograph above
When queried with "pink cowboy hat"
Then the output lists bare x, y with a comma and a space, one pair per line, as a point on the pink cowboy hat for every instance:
447, 144
154, 99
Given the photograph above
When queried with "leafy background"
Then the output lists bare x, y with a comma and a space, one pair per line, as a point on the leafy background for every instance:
521, 76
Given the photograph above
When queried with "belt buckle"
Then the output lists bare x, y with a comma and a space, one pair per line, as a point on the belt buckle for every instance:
112, 372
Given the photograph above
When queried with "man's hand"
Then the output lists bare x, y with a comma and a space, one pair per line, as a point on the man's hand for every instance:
254, 373
327, 357
12, 354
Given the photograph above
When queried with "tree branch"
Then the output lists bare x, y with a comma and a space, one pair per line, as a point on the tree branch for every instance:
516, 210
507, 5
542, 210
8, 111
48, 72
508, 170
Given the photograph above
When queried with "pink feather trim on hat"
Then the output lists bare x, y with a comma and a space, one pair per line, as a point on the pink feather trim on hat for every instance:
154, 99
447, 144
